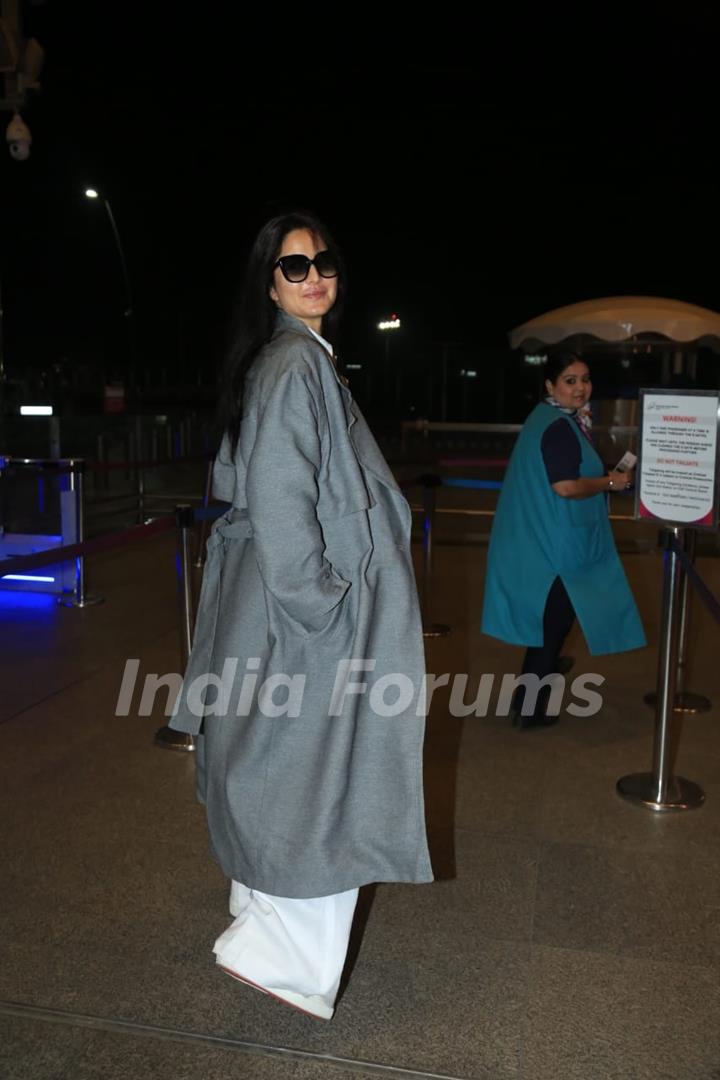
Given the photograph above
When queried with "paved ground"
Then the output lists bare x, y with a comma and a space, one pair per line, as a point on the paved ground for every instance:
570, 936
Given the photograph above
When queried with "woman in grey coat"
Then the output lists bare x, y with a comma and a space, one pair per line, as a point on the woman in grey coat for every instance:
307, 670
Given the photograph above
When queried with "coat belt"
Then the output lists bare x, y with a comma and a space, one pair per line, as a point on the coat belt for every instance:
234, 525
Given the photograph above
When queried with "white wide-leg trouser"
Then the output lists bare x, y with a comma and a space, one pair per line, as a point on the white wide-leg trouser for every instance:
292, 949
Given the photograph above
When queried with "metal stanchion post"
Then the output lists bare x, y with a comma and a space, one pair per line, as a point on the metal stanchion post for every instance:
660, 790
139, 472
684, 620
200, 557
165, 736
140, 493
79, 598
430, 484
186, 523
130, 453
101, 458
55, 437
685, 701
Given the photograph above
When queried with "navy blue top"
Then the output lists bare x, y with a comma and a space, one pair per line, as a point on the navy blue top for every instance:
561, 452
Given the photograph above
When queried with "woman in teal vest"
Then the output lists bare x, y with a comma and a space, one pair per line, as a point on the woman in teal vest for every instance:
552, 554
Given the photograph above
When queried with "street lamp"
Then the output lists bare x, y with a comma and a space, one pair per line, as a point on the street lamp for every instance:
91, 193
393, 323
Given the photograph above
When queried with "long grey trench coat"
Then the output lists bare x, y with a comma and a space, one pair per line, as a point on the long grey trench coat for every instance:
314, 786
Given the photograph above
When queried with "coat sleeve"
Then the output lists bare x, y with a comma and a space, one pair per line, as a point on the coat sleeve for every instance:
282, 496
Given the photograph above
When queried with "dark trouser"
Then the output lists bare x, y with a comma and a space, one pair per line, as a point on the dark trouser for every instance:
542, 660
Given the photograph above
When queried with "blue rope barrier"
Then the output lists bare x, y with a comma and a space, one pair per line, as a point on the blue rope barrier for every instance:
485, 485
209, 513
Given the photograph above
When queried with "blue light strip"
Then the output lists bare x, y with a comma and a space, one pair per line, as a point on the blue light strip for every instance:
25, 577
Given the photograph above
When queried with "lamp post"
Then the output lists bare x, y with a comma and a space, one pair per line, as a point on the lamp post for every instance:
393, 323
91, 193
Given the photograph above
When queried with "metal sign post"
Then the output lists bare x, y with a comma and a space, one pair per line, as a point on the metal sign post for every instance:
660, 790
677, 484
685, 700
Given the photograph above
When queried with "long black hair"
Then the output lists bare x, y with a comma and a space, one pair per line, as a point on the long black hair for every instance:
254, 317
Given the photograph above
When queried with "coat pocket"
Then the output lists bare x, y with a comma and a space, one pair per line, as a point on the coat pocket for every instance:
347, 541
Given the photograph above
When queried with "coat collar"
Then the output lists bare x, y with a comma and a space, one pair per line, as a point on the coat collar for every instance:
283, 321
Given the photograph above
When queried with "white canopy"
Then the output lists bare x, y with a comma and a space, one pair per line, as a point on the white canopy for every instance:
620, 318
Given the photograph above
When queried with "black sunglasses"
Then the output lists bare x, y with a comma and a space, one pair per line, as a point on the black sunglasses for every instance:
297, 267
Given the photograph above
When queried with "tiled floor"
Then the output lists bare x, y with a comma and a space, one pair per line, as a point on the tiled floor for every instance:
570, 935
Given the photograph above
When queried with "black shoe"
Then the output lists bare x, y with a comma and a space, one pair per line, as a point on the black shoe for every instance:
523, 722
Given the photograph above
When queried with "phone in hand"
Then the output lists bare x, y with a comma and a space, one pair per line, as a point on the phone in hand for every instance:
626, 463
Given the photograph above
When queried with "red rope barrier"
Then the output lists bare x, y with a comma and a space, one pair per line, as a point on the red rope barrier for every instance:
91, 465
107, 466
21, 563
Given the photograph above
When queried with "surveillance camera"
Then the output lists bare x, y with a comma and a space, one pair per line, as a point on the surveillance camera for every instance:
18, 138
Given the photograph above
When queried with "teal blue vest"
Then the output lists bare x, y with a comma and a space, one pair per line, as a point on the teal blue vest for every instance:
537, 536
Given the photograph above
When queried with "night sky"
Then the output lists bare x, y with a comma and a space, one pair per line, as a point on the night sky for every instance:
473, 177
